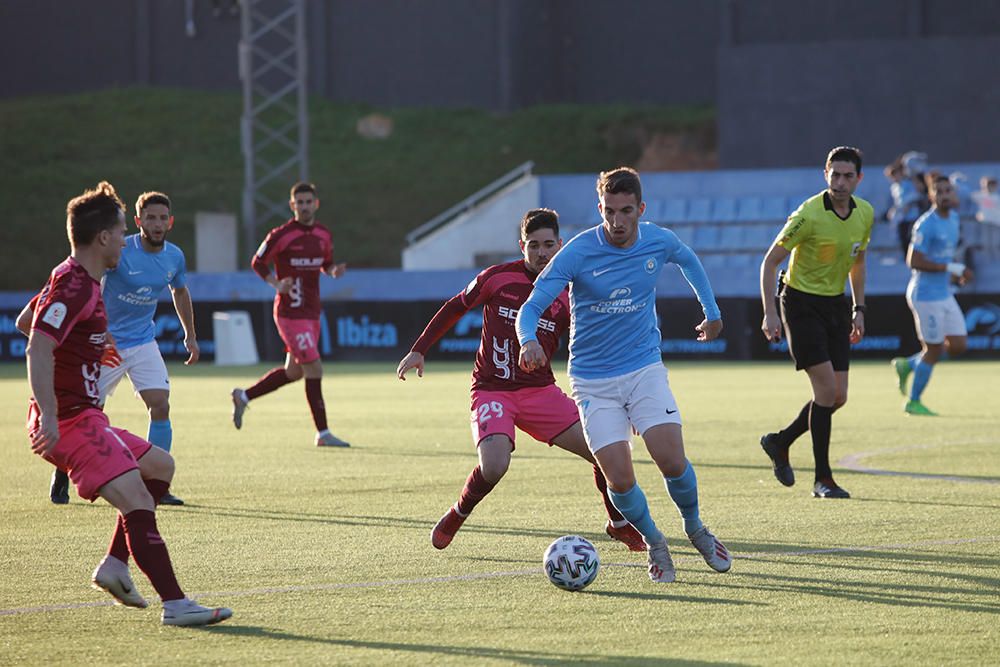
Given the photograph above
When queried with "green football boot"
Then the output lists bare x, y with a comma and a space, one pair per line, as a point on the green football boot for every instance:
902, 367
919, 409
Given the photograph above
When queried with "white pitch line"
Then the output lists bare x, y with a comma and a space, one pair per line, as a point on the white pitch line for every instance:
494, 575
853, 462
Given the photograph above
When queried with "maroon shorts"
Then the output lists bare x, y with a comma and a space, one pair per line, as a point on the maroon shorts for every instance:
92, 451
301, 338
541, 412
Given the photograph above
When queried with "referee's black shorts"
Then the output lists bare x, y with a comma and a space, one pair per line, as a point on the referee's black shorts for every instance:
818, 328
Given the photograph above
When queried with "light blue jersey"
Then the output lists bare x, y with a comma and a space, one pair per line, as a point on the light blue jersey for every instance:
936, 238
612, 296
133, 287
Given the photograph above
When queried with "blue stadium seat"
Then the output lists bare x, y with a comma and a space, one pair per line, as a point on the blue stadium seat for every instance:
674, 210
706, 236
758, 238
731, 237
750, 209
699, 210
774, 208
723, 210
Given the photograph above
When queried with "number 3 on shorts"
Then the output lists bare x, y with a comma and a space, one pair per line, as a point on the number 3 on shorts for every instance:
485, 410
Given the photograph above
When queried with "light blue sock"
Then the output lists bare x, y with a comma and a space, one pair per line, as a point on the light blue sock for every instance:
633, 506
160, 434
921, 376
683, 491
914, 360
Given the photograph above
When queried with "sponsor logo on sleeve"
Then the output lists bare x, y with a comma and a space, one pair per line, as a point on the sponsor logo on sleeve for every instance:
55, 314
262, 249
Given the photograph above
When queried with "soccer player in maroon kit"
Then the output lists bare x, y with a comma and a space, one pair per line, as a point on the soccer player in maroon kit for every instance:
67, 427
504, 396
300, 250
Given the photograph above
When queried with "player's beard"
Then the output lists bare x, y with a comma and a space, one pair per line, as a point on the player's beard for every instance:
153, 242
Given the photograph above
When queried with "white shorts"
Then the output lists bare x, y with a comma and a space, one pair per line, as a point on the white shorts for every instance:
611, 407
144, 366
936, 320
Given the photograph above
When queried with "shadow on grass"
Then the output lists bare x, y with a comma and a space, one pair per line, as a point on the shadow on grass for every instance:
516, 656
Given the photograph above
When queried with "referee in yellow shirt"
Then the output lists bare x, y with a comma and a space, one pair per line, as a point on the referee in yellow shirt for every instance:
826, 238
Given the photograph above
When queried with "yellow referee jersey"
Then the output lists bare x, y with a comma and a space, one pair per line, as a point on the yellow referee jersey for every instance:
823, 245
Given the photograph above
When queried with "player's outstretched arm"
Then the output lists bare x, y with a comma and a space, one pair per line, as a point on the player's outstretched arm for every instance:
185, 312
413, 360
444, 319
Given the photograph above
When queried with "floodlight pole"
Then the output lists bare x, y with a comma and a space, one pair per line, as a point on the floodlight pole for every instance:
274, 127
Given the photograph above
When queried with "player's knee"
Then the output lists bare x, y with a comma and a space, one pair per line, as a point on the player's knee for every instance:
157, 464
293, 372
957, 346
839, 400
159, 412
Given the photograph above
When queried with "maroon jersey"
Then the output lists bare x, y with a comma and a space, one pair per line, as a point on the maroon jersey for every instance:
501, 290
69, 310
298, 252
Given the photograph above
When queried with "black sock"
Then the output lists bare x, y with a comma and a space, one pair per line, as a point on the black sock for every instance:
819, 427
799, 425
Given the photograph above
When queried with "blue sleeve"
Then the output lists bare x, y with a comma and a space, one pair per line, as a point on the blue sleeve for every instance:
548, 285
694, 273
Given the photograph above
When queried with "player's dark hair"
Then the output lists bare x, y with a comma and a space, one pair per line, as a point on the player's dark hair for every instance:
91, 213
539, 218
845, 154
620, 180
149, 199
302, 186
932, 178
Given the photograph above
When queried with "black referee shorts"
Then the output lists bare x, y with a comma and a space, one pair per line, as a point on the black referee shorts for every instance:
818, 328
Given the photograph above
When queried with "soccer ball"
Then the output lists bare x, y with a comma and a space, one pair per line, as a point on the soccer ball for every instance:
571, 563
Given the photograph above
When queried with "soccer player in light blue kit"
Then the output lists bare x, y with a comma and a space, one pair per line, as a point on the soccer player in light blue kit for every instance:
149, 264
616, 372
938, 318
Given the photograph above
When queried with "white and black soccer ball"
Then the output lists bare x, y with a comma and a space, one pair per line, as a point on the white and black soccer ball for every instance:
571, 563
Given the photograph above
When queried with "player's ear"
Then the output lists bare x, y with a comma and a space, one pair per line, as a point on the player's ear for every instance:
520, 244
137, 221
170, 223
315, 204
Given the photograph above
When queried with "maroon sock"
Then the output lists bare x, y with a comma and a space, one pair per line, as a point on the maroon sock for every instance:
150, 553
275, 378
602, 486
476, 488
119, 543
314, 394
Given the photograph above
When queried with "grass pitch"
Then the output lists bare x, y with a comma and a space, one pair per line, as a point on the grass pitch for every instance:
325, 557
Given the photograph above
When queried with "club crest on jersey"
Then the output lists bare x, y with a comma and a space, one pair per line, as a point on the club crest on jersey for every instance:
650, 265
55, 315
